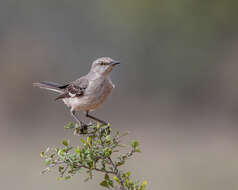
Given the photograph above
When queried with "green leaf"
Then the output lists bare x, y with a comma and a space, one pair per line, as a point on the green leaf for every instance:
131, 182
57, 150
52, 155
108, 138
128, 174
59, 178
117, 179
47, 162
104, 184
110, 182
127, 183
67, 177
137, 184
144, 183
65, 143
134, 144
83, 141
77, 150
47, 150
90, 164
89, 141
137, 149
60, 168
108, 152
117, 133
69, 126
120, 163
61, 152
106, 177
68, 149
42, 154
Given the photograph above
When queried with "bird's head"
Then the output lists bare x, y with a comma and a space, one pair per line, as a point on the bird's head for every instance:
103, 65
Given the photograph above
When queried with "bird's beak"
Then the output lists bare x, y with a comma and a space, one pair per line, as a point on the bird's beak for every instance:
115, 63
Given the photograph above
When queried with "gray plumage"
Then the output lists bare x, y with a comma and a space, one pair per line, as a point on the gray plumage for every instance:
88, 92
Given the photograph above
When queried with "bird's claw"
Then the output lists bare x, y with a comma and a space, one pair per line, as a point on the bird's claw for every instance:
83, 128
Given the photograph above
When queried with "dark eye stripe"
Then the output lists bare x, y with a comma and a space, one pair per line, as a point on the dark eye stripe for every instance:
103, 63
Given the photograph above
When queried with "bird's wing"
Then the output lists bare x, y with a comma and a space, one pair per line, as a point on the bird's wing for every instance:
74, 89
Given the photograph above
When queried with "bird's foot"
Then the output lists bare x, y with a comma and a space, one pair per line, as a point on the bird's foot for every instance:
83, 128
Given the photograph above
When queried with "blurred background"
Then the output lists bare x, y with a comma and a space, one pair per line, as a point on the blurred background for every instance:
176, 89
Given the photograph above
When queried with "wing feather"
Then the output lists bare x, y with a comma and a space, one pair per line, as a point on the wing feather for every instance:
74, 89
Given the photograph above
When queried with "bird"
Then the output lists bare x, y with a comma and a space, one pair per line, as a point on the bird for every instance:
88, 92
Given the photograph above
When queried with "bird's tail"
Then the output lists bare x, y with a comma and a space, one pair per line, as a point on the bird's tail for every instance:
49, 86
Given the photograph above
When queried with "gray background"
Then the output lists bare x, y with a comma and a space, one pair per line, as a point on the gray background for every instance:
176, 89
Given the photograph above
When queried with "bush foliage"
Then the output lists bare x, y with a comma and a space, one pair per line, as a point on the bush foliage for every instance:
99, 151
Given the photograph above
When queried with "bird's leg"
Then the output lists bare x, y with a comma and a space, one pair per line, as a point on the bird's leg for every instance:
82, 124
96, 119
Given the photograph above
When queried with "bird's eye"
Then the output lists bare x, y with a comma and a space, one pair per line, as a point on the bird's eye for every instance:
102, 63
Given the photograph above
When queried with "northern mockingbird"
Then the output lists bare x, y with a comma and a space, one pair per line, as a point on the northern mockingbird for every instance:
88, 92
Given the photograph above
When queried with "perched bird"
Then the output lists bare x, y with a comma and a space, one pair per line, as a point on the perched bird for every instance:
88, 92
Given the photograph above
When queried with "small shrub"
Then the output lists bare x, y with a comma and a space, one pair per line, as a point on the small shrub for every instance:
99, 151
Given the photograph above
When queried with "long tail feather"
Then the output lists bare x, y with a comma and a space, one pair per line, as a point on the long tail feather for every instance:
49, 86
